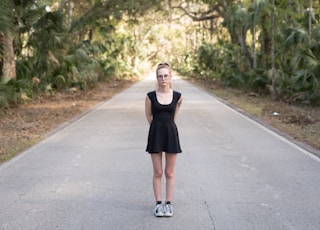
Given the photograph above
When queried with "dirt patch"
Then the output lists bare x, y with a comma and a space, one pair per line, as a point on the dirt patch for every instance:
27, 124
300, 122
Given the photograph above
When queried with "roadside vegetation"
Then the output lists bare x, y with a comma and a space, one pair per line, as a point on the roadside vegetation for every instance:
259, 55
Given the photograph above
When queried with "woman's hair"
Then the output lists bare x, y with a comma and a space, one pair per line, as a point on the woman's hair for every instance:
163, 65
167, 66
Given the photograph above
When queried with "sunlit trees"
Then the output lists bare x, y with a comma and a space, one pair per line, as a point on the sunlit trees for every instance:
266, 46
48, 45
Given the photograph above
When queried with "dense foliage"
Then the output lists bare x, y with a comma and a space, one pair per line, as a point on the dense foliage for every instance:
270, 47
66, 45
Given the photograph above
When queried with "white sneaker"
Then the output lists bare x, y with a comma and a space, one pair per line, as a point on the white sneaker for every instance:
168, 210
158, 210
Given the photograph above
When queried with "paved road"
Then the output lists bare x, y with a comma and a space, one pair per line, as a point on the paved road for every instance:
93, 174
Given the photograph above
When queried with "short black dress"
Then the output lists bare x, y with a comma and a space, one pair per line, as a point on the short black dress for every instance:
163, 133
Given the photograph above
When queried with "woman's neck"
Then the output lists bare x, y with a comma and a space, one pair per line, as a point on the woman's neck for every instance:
164, 90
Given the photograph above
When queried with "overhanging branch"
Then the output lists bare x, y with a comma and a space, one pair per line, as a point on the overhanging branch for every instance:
209, 15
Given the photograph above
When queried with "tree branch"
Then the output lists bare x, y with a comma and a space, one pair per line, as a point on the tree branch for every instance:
209, 15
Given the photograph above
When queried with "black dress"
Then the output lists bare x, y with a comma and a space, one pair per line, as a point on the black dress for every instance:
163, 133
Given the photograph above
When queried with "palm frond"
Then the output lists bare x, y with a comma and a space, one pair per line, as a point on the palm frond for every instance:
6, 18
295, 37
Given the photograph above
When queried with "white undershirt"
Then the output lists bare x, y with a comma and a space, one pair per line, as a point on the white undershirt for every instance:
165, 98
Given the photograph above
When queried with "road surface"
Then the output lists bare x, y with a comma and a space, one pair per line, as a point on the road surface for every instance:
94, 173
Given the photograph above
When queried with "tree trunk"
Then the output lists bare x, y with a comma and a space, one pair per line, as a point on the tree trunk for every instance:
9, 62
310, 20
266, 41
273, 70
254, 39
244, 47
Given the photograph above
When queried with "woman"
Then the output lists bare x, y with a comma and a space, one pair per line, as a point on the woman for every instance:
161, 108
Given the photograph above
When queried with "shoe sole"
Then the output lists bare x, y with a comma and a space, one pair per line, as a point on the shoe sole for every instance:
168, 215
158, 215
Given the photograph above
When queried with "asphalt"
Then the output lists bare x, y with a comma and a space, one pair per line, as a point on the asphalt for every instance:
94, 173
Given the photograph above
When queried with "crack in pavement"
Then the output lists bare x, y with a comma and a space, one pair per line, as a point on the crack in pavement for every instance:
210, 215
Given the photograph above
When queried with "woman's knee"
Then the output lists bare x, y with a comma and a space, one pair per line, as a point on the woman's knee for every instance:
157, 173
169, 174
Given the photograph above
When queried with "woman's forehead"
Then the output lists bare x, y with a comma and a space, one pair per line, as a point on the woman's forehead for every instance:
163, 71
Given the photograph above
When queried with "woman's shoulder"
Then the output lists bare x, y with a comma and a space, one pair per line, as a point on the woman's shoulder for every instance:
151, 93
178, 94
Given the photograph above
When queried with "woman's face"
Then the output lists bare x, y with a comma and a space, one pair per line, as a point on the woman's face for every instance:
164, 76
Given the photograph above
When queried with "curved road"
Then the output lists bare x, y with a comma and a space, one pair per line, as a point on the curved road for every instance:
94, 173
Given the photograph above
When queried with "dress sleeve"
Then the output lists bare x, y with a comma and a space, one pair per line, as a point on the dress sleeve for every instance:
177, 95
150, 95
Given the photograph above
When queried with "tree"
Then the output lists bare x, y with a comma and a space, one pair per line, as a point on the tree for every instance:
273, 77
254, 39
7, 60
310, 18
256, 12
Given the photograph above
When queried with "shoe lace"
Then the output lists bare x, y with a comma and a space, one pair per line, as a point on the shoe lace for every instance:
159, 208
168, 208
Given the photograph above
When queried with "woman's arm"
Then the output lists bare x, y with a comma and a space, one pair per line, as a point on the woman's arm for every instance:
177, 108
148, 110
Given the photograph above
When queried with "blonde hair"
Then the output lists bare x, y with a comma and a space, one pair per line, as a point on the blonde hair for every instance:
166, 66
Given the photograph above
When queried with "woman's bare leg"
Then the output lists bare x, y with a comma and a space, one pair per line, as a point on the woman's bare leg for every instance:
157, 174
169, 172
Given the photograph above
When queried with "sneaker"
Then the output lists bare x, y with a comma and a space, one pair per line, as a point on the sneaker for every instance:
158, 210
168, 210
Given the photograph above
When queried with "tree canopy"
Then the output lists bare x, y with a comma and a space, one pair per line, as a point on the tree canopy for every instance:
267, 46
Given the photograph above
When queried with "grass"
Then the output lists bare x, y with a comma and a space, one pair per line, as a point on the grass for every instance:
20, 146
